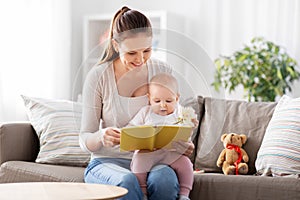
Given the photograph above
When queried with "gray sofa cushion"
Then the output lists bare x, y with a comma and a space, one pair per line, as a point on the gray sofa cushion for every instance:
225, 116
20, 171
218, 186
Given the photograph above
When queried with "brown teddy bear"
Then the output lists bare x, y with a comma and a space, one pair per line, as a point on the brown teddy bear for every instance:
233, 158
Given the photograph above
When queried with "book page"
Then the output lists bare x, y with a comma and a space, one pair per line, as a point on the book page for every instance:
165, 135
152, 137
137, 137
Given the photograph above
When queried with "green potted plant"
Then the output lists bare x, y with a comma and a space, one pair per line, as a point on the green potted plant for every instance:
264, 69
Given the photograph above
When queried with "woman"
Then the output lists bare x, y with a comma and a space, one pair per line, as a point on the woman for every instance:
113, 93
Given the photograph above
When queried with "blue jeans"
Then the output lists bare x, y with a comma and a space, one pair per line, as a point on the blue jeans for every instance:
162, 181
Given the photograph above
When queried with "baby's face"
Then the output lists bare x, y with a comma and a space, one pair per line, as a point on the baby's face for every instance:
162, 100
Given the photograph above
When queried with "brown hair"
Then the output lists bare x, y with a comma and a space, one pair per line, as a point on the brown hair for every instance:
125, 23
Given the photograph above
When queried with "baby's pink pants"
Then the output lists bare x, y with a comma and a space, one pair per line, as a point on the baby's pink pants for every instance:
143, 161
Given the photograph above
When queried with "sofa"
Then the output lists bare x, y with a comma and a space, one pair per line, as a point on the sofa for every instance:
20, 145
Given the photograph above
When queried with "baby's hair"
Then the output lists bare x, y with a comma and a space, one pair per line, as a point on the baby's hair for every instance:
166, 80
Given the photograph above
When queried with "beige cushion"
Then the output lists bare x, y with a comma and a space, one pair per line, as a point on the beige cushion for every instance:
225, 116
57, 124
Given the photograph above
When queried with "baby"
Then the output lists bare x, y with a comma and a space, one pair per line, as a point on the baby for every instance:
164, 109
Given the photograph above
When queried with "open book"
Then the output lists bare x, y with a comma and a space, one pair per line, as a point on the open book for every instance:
152, 137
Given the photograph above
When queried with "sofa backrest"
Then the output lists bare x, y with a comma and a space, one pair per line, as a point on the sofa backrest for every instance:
18, 141
221, 116
197, 103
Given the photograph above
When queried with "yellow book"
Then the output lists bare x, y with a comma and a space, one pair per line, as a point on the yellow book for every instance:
152, 137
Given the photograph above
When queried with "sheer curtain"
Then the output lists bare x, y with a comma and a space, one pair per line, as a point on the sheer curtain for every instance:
35, 53
228, 25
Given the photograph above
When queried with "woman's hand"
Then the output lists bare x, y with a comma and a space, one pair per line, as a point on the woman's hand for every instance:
184, 148
195, 122
111, 137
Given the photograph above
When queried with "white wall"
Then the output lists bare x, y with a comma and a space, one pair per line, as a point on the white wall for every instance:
203, 20
188, 14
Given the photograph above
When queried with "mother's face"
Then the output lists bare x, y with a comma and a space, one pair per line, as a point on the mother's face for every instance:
134, 51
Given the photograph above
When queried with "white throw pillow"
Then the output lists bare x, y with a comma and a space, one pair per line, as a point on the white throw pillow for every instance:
57, 124
279, 153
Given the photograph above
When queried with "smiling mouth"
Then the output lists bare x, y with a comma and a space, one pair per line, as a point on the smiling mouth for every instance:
137, 65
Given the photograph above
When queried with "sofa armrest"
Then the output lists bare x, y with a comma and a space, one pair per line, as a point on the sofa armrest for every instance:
18, 141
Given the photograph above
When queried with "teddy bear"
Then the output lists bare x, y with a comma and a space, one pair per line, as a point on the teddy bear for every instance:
233, 158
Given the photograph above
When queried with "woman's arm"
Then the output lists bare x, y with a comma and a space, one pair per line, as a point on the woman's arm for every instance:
92, 136
90, 131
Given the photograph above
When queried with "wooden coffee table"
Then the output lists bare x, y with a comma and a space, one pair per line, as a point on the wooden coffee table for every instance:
59, 191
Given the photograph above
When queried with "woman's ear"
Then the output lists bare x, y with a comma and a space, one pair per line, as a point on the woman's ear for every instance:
115, 45
177, 97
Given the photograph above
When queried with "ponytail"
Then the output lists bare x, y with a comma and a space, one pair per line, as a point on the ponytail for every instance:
125, 23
